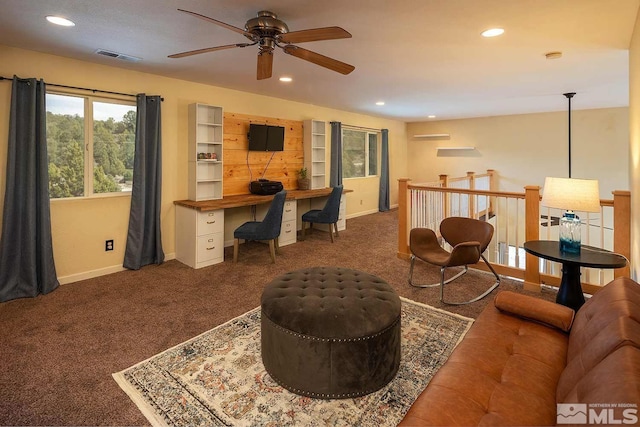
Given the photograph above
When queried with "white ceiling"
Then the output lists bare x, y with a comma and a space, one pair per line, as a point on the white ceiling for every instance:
420, 57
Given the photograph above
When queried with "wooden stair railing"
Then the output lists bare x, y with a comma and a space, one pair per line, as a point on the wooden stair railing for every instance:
531, 274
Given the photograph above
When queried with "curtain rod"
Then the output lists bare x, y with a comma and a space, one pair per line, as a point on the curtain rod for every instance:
83, 88
361, 127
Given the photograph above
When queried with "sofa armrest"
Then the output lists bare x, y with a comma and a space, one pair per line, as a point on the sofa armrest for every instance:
546, 312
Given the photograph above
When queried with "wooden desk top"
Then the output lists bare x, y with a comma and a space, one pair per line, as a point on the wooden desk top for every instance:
251, 199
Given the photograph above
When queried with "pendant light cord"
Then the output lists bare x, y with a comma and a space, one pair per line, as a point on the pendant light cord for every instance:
569, 95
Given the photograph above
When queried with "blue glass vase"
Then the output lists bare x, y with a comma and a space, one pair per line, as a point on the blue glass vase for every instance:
570, 233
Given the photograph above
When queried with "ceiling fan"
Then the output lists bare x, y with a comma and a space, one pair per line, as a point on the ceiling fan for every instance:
268, 32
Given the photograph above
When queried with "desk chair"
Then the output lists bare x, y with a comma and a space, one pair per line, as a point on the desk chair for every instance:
328, 215
469, 239
267, 229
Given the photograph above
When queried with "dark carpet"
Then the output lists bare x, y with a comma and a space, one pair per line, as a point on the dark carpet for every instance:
58, 351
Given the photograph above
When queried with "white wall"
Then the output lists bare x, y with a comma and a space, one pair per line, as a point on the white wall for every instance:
80, 227
524, 149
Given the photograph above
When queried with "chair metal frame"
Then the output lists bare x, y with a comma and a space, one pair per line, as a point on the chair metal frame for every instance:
451, 279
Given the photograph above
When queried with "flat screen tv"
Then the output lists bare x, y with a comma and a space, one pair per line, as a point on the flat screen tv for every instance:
266, 138
275, 138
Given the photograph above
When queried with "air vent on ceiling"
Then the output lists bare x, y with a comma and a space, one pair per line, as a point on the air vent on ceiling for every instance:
117, 55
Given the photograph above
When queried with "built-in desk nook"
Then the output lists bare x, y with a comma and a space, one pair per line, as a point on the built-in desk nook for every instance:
229, 151
200, 224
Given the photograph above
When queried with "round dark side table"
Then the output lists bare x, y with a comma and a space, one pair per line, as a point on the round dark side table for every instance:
570, 292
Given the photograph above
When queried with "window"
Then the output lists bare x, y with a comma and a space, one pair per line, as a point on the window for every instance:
359, 153
91, 144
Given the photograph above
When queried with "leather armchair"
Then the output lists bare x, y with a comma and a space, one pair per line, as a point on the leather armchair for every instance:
469, 239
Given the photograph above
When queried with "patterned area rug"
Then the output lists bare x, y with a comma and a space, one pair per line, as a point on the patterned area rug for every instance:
217, 378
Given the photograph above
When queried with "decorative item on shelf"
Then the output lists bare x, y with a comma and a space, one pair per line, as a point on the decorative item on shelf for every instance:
202, 156
433, 136
573, 195
303, 181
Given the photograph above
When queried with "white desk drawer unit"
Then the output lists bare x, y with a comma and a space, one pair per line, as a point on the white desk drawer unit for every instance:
289, 212
342, 215
199, 237
289, 218
210, 249
287, 233
210, 222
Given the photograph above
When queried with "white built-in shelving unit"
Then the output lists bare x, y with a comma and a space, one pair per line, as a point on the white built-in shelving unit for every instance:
205, 140
200, 234
315, 152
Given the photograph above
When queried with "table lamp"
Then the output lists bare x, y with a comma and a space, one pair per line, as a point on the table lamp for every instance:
573, 195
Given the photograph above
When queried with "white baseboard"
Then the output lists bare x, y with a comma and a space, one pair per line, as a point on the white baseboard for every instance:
71, 278
362, 213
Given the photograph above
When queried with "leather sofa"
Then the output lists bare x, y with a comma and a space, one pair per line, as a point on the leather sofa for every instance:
524, 355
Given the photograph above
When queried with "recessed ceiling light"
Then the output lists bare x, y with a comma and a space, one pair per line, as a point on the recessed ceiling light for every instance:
58, 20
431, 116
380, 103
492, 32
285, 79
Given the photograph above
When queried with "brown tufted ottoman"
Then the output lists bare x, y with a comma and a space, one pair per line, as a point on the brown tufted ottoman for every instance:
330, 332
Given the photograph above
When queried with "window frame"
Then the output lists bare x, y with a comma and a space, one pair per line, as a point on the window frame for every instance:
367, 159
88, 149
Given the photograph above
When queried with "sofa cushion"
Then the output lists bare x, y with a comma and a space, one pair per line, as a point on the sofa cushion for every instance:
619, 298
606, 325
545, 312
615, 380
621, 332
505, 371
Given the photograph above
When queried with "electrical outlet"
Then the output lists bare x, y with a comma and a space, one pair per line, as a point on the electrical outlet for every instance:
108, 245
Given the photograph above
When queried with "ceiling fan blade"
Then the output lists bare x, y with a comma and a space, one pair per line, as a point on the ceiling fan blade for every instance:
316, 58
208, 49
265, 64
220, 23
314, 34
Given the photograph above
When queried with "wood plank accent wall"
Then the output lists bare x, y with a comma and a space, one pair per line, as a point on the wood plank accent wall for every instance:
283, 166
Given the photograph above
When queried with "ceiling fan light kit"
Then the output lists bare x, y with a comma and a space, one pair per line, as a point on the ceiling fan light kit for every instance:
269, 32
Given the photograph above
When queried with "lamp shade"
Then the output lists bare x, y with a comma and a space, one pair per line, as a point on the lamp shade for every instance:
571, 194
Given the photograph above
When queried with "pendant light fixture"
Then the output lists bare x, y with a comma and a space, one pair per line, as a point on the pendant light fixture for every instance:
573, 195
